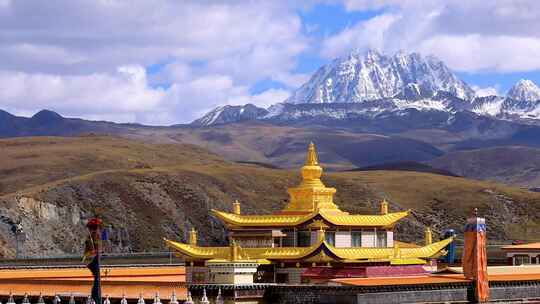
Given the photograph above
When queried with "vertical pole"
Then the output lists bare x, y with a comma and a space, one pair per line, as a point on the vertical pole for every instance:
98, 257
474, 260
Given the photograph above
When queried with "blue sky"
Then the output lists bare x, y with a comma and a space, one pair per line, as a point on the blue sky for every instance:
164, 62
327, 19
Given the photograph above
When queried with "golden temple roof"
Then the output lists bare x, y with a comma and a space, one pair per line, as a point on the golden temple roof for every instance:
306, 201
284, 220
311, 201
320, 250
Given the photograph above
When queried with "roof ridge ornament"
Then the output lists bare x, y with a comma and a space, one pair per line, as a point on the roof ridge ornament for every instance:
311, 156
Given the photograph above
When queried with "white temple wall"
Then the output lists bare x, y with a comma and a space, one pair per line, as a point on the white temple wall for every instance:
390, 239
368, 238
343, 239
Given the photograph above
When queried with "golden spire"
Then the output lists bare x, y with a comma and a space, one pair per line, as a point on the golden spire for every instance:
311, 195
193, 237
384, 207
311, 171
428, 237
236, 207
311, 156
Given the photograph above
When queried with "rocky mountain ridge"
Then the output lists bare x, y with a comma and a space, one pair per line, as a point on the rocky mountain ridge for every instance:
524, 90
361, 77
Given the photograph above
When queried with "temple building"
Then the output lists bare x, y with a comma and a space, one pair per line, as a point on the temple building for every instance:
310, 241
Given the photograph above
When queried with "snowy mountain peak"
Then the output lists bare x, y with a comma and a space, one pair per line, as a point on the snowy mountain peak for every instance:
360, 77
227, 114
524, 90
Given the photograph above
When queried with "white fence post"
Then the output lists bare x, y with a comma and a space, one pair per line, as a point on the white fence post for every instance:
219, 298
173, 300
141, 299
10, 300
157, 300
204, 299
189, 300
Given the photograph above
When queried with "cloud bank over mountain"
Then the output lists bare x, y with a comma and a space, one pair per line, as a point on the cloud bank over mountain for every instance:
168, 62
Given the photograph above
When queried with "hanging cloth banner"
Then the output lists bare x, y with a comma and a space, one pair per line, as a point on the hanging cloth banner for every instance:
474, 260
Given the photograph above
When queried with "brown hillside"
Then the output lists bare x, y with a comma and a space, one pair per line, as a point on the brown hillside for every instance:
284, 146
512, 165
176, 191
33, 161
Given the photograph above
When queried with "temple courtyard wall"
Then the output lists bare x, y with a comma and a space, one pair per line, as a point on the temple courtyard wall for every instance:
500, 292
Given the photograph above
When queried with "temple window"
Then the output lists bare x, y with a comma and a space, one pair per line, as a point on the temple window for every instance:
330, 237
381, 238
304, 238
522, 260
356, 238
289, 238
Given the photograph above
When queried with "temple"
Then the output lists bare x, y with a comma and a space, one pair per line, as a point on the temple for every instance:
311, 239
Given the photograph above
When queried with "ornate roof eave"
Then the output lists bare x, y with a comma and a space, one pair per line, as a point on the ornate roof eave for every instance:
360, 254
290, 220
203, 253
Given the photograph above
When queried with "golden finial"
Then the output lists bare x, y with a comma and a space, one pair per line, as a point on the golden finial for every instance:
234, 248
311, 157
193, 237
320, 234
384, 207
428, 236
236, 207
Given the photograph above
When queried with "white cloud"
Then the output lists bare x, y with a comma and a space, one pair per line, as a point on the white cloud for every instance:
477, 53
358, 5
125, 95
365, 35
486, 91
472, 36
124, 91
263, 99
87, 58
248, 39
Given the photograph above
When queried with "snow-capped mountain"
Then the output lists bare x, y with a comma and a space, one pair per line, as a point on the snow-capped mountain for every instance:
372, 85
226, 114
524, 90
369, 76
522, 101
